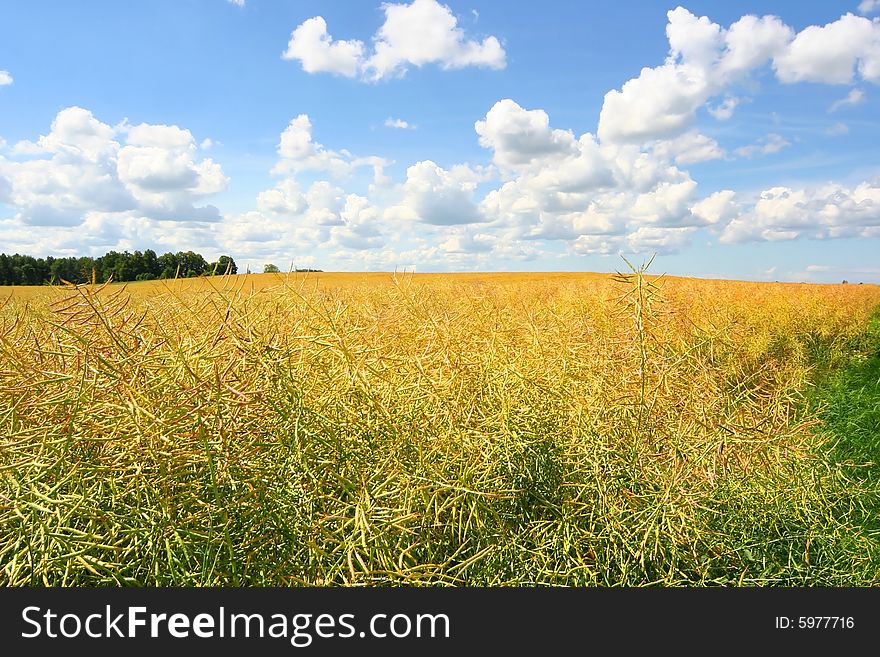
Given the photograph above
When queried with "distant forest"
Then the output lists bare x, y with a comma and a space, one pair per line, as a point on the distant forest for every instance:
138, 266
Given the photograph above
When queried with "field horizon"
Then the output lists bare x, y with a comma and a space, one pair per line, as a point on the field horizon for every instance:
261, 280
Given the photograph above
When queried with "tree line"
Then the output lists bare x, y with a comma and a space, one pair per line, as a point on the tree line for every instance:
138, 266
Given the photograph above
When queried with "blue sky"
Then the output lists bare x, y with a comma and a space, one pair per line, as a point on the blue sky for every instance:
732, 139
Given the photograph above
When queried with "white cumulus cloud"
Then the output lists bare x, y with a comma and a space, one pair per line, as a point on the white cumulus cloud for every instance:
5, 78
832, 53
521, 137
299, 152
690, 148
434, 195
427, 32
416, 34
317, 52
561, 187
825, 211
360, 225
705, 60
284, 198
83, 167
649, 239
719, 207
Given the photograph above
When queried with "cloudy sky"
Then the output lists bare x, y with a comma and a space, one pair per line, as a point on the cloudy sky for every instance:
732, 139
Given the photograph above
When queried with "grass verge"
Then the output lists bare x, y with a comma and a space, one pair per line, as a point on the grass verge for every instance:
814, 522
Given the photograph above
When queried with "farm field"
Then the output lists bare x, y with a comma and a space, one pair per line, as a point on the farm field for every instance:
440, 429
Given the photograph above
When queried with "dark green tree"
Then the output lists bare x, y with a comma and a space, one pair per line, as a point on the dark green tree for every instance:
20, 269
226, 265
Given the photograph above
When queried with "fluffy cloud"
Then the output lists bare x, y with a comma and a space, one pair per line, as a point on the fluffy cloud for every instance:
5, 188
750, 42
324, 202
319, 53
831, 53
5, 78
559, 187
82, 167
360, 225
826, 211
869, 6
596, 245
705, 60
649, 239
290, 219
693, 40
661, 102
289, 224
521, 137
689, 148
666, 205
158, 165
426, 32
433, 195
298, 151
283, 199
467, 241
416, 34
718, 207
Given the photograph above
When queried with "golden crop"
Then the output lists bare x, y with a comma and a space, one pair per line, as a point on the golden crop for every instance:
488, 429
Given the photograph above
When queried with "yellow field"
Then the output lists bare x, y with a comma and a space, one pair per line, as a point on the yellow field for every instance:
466, 429
250, 283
